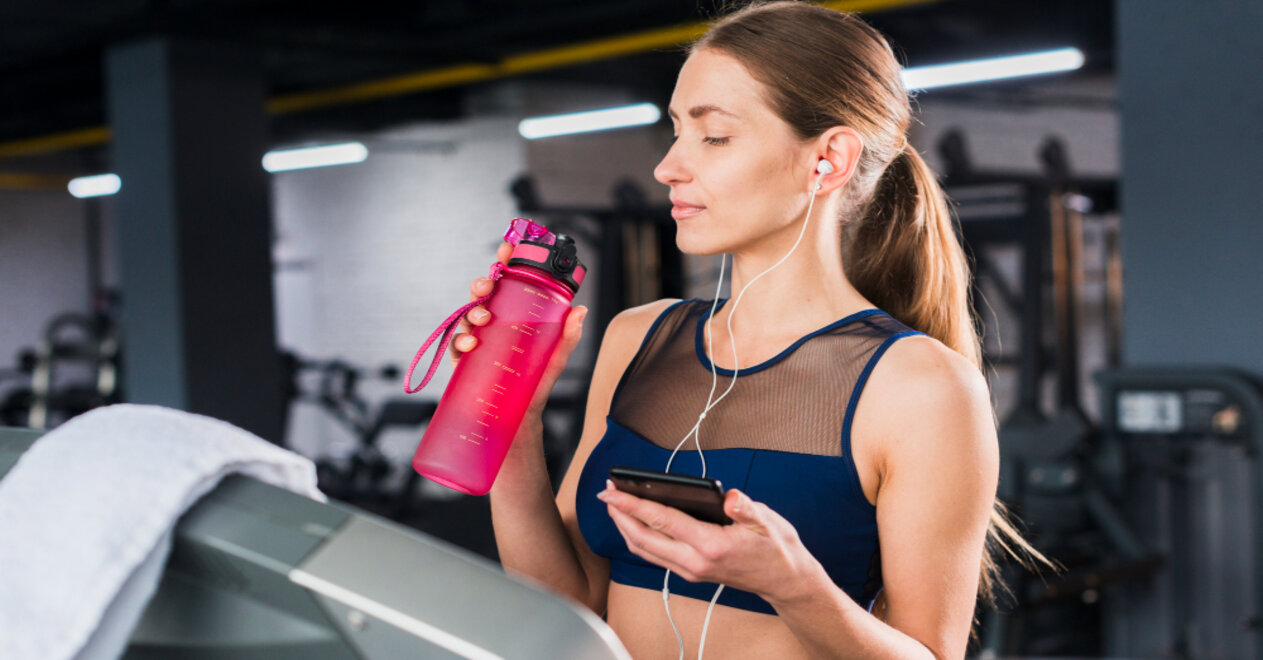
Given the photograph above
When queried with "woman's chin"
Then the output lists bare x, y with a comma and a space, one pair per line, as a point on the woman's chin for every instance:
698, 247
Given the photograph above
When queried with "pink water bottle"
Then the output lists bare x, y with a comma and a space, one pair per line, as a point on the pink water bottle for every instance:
486, 399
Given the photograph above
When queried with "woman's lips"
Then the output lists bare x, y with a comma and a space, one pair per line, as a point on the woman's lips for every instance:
680, 211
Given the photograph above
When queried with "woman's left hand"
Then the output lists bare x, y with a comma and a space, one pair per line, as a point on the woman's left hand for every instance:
760, 552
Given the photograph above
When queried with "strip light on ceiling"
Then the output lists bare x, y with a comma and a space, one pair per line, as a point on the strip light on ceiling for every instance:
586, 122
283, 160
914, 78
94, 186
996, 68
322, 156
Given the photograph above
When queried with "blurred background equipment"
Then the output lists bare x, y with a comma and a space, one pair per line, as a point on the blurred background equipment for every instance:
1187, 442
74, 368
74, 342
362, 472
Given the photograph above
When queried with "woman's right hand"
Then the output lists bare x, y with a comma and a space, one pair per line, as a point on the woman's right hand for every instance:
465, 342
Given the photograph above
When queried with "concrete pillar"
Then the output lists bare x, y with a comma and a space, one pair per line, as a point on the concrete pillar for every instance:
1192, 125
189, 131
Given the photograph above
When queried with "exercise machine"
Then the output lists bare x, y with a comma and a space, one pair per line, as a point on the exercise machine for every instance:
257, 572
1186, 443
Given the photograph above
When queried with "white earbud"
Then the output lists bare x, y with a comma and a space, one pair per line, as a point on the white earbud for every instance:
823, 167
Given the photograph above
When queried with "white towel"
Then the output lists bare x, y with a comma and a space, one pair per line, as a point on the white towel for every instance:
86, 517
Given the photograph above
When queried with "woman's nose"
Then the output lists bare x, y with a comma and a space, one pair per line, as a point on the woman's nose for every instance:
671, 170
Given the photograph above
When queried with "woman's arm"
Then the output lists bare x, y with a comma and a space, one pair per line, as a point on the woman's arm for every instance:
938, 457
937, 454
537, 534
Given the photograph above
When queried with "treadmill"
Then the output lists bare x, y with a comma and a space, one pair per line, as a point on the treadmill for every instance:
258, 572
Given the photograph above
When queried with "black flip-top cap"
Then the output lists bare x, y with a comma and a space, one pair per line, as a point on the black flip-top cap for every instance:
562, 260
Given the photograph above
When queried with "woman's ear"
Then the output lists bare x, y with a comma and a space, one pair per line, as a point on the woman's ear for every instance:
841, 146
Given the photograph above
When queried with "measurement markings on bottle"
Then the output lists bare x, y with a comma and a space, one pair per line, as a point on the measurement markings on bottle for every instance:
490, 414
517, 349
524, 329
507, 368
483, 423
531, 290
469, 439
486, 402
497, 388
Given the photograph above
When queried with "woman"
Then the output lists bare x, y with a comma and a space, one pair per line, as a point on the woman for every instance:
860, 521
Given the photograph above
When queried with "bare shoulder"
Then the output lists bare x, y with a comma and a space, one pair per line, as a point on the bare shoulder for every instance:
922, 366
628, 328
639, 318
623, 337
924, 397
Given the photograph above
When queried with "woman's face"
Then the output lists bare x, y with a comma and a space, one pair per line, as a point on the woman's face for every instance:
736, 170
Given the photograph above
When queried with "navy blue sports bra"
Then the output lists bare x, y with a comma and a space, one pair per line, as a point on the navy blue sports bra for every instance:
782, 436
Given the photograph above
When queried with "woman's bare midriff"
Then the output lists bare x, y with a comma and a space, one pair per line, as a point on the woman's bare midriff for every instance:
637, 616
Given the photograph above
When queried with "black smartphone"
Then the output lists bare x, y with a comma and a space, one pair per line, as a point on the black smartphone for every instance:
700, 497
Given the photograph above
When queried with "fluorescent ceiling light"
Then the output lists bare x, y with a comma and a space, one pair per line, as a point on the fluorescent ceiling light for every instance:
94, 186
584, 122
997, 68
305, 157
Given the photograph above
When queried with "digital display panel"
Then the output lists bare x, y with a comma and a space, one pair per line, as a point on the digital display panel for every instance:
1150, 412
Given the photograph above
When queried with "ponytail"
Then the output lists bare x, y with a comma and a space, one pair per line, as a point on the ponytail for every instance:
904, 256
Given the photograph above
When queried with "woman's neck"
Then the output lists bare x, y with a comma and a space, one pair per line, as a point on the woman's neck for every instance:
807, 291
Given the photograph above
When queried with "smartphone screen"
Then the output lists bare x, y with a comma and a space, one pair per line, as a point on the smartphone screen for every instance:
699, 497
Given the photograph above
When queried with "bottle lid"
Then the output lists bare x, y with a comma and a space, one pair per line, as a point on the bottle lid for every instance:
525, 229
558, 258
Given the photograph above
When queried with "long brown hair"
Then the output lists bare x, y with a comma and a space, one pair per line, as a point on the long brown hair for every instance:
823, 68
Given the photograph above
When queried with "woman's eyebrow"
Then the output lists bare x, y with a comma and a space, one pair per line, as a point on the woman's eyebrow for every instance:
699, 111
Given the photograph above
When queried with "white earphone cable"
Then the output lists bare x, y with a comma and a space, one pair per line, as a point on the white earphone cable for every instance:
695, 432
701, 646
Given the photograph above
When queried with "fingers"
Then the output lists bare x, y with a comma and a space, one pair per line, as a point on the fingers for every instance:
570, 335
703, 552
745, 511
666, 521
651, 546
478, 316
737, 505
461, 344
483, 285
573, 331
480, 287
464, 342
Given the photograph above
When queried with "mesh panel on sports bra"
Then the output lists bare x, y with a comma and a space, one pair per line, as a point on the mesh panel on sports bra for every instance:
794, 402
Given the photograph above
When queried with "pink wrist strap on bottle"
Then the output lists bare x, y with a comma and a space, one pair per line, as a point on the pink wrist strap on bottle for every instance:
446, 330
491, 388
